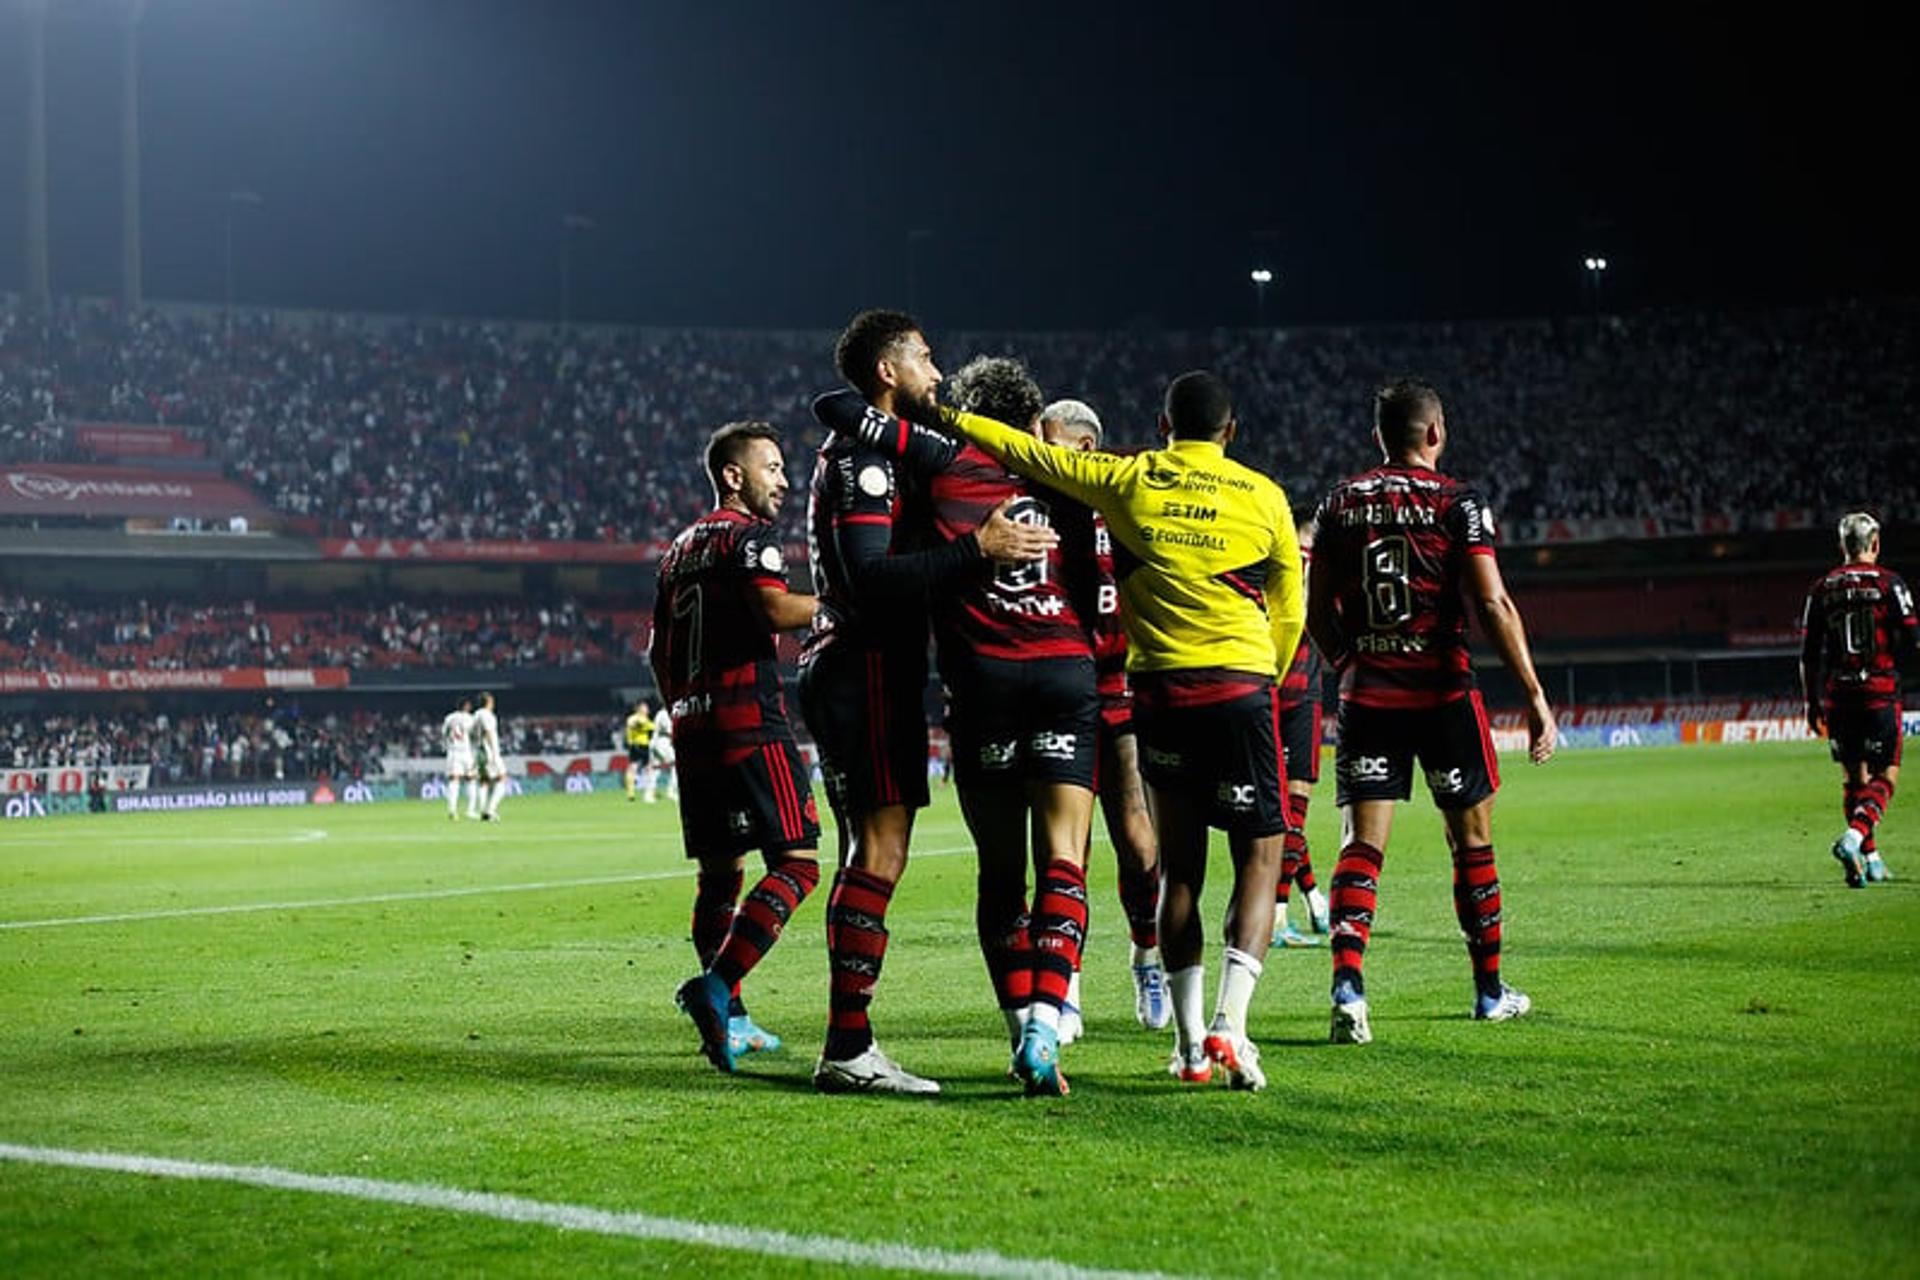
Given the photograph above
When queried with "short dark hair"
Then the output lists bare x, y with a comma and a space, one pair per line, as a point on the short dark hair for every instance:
865, 341
1198, 406
728, 443
1401, 410
996, 387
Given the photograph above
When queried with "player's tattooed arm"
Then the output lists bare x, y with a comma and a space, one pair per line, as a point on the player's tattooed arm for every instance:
920, 449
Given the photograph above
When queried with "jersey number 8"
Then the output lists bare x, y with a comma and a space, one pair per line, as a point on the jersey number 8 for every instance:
1389, 598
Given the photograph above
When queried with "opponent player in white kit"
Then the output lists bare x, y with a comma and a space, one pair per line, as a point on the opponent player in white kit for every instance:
660, 758
456, 735
493, 771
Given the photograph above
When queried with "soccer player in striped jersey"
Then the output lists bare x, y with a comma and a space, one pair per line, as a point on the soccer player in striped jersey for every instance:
1073, 424
1300, 741
721, 599
1016, 660
863, 673
1398, 552
1209, 575
1858, 622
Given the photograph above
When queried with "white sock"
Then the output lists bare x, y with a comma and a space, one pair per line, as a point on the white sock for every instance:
1016, 1022
1144, 956
1073, 989
473, 797
1189, 1005
453, 796
494, 793
1044, 1014
1237, 981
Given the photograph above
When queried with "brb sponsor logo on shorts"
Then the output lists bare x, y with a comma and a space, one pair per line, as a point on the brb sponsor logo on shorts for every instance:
1237, 796
998, 755
1164, 759
1054, 746
1445, 781
1369, 769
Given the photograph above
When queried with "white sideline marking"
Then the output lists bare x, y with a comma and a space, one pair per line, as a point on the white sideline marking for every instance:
373, 899
573, 1217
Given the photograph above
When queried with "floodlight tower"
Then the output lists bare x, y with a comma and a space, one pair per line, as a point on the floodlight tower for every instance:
130, 155
1261, 277
1596, 276
38, 273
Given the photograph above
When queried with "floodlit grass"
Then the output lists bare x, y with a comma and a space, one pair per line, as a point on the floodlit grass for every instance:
1719, 1077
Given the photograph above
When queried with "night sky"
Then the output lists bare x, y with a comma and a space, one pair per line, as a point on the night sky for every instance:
992, 165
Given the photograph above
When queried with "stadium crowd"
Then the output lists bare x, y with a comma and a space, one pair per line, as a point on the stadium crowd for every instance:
39, 634
278, 742
463, 431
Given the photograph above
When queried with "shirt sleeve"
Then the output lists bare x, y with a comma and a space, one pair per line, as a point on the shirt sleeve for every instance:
1470, 521
1286, 596
1906, 626
762, 559
920, 450
1091, 478
862, 492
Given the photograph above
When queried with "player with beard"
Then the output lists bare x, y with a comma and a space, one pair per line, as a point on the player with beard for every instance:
1859, 620
721, 600
1209, 575
1399, 551
1016, 659
863, 673
1073, 424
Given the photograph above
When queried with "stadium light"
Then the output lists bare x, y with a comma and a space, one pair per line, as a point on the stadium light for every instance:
1261, 277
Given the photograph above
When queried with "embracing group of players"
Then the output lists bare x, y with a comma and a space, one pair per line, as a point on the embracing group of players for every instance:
1128, 625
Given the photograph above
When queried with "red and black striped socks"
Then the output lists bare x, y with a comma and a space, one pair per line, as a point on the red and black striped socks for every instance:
856, 947
761, 918
1356, 887
1059, 930
1000, 917
1869, 806
1476, 903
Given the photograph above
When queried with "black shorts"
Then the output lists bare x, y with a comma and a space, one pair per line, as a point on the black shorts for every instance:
1014, 723
1216, 738
1864, 735
1378, 745
760, 802
1300, 741
866, 712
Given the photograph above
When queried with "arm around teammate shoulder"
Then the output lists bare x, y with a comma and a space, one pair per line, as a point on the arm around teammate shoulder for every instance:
1500, 618
1074, 473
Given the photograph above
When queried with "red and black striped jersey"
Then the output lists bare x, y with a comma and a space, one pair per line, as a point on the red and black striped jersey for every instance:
1394, 542
713, 654
1858, 621
1109, 628
873, 589
1301, 683
1021, 611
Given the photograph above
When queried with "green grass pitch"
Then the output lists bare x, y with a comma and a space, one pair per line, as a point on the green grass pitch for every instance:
1719, 1076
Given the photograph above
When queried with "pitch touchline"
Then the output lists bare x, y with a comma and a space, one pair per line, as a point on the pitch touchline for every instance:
372, 899
573, 1217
